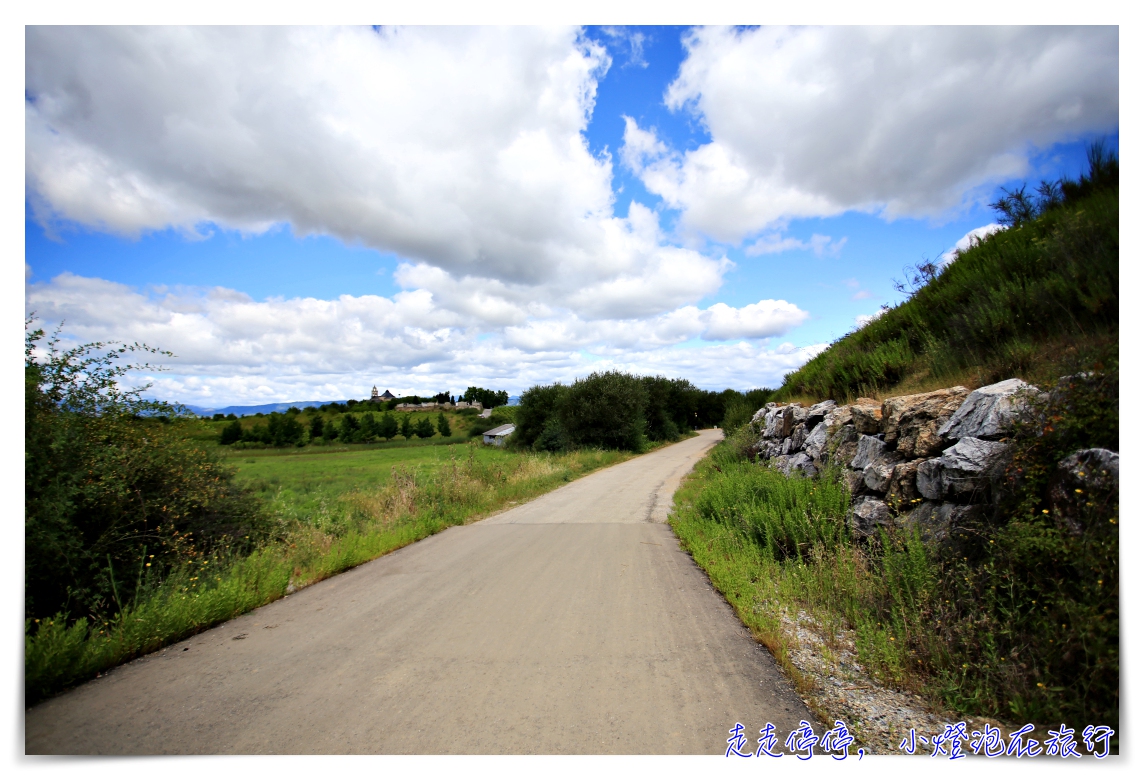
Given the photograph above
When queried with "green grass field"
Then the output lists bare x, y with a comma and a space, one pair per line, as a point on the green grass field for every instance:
333, 470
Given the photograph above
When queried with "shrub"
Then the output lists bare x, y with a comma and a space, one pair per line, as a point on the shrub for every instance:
605, 410
231, 433
113, 496
537, 405
552, 439
738, 414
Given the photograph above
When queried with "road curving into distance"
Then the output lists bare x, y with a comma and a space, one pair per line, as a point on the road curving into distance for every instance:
572, 624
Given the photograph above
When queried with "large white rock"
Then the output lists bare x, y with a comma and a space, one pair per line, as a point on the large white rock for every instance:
868, 448
962, 471
816, 441
879, 470
989, 412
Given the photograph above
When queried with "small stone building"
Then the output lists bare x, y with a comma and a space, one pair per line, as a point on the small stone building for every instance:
497, 435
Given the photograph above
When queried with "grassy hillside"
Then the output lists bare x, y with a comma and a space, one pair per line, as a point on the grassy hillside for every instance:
1037, 300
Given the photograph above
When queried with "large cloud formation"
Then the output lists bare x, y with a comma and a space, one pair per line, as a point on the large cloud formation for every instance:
464, 152
463, 148
231, 347
811, 122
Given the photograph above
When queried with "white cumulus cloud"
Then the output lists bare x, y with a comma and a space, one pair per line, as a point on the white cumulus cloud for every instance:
230, 348
968, 240
811, 122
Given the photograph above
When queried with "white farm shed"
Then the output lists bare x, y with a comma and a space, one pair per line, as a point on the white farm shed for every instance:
497, 435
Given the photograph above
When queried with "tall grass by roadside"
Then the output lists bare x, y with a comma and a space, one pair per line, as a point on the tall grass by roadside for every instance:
772, 543
1020, 621
339, 533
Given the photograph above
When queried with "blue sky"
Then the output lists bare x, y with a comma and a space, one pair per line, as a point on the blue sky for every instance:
382, 217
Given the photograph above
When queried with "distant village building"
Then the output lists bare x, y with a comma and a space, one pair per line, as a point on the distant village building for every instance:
386, 396
434, 405
497, 435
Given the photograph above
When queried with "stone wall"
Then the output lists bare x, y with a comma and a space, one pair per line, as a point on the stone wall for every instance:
926, 460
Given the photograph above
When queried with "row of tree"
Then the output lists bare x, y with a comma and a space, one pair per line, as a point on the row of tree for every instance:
285, 430
489, 399
617, 410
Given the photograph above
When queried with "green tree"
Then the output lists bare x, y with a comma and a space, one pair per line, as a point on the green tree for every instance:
487, 398
605, 410
387, 429
231, 433
553, 438
368, 426
316, 425
406, 426
443, 425
283, 430
538, 404
349, 430
292, 433
424, 428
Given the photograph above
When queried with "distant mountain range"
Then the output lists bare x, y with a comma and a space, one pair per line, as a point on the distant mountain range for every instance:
240, 411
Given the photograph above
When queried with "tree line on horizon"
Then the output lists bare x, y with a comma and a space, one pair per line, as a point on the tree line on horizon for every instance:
618, 410
286, 430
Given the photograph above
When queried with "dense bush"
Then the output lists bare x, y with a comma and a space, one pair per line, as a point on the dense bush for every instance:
113, 495
1032, 604
650, 408
605, 410
537, 407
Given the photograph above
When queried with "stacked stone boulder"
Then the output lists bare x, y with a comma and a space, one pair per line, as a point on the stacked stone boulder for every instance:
925, 460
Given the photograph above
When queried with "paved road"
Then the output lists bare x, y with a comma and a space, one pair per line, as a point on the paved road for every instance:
572, 624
